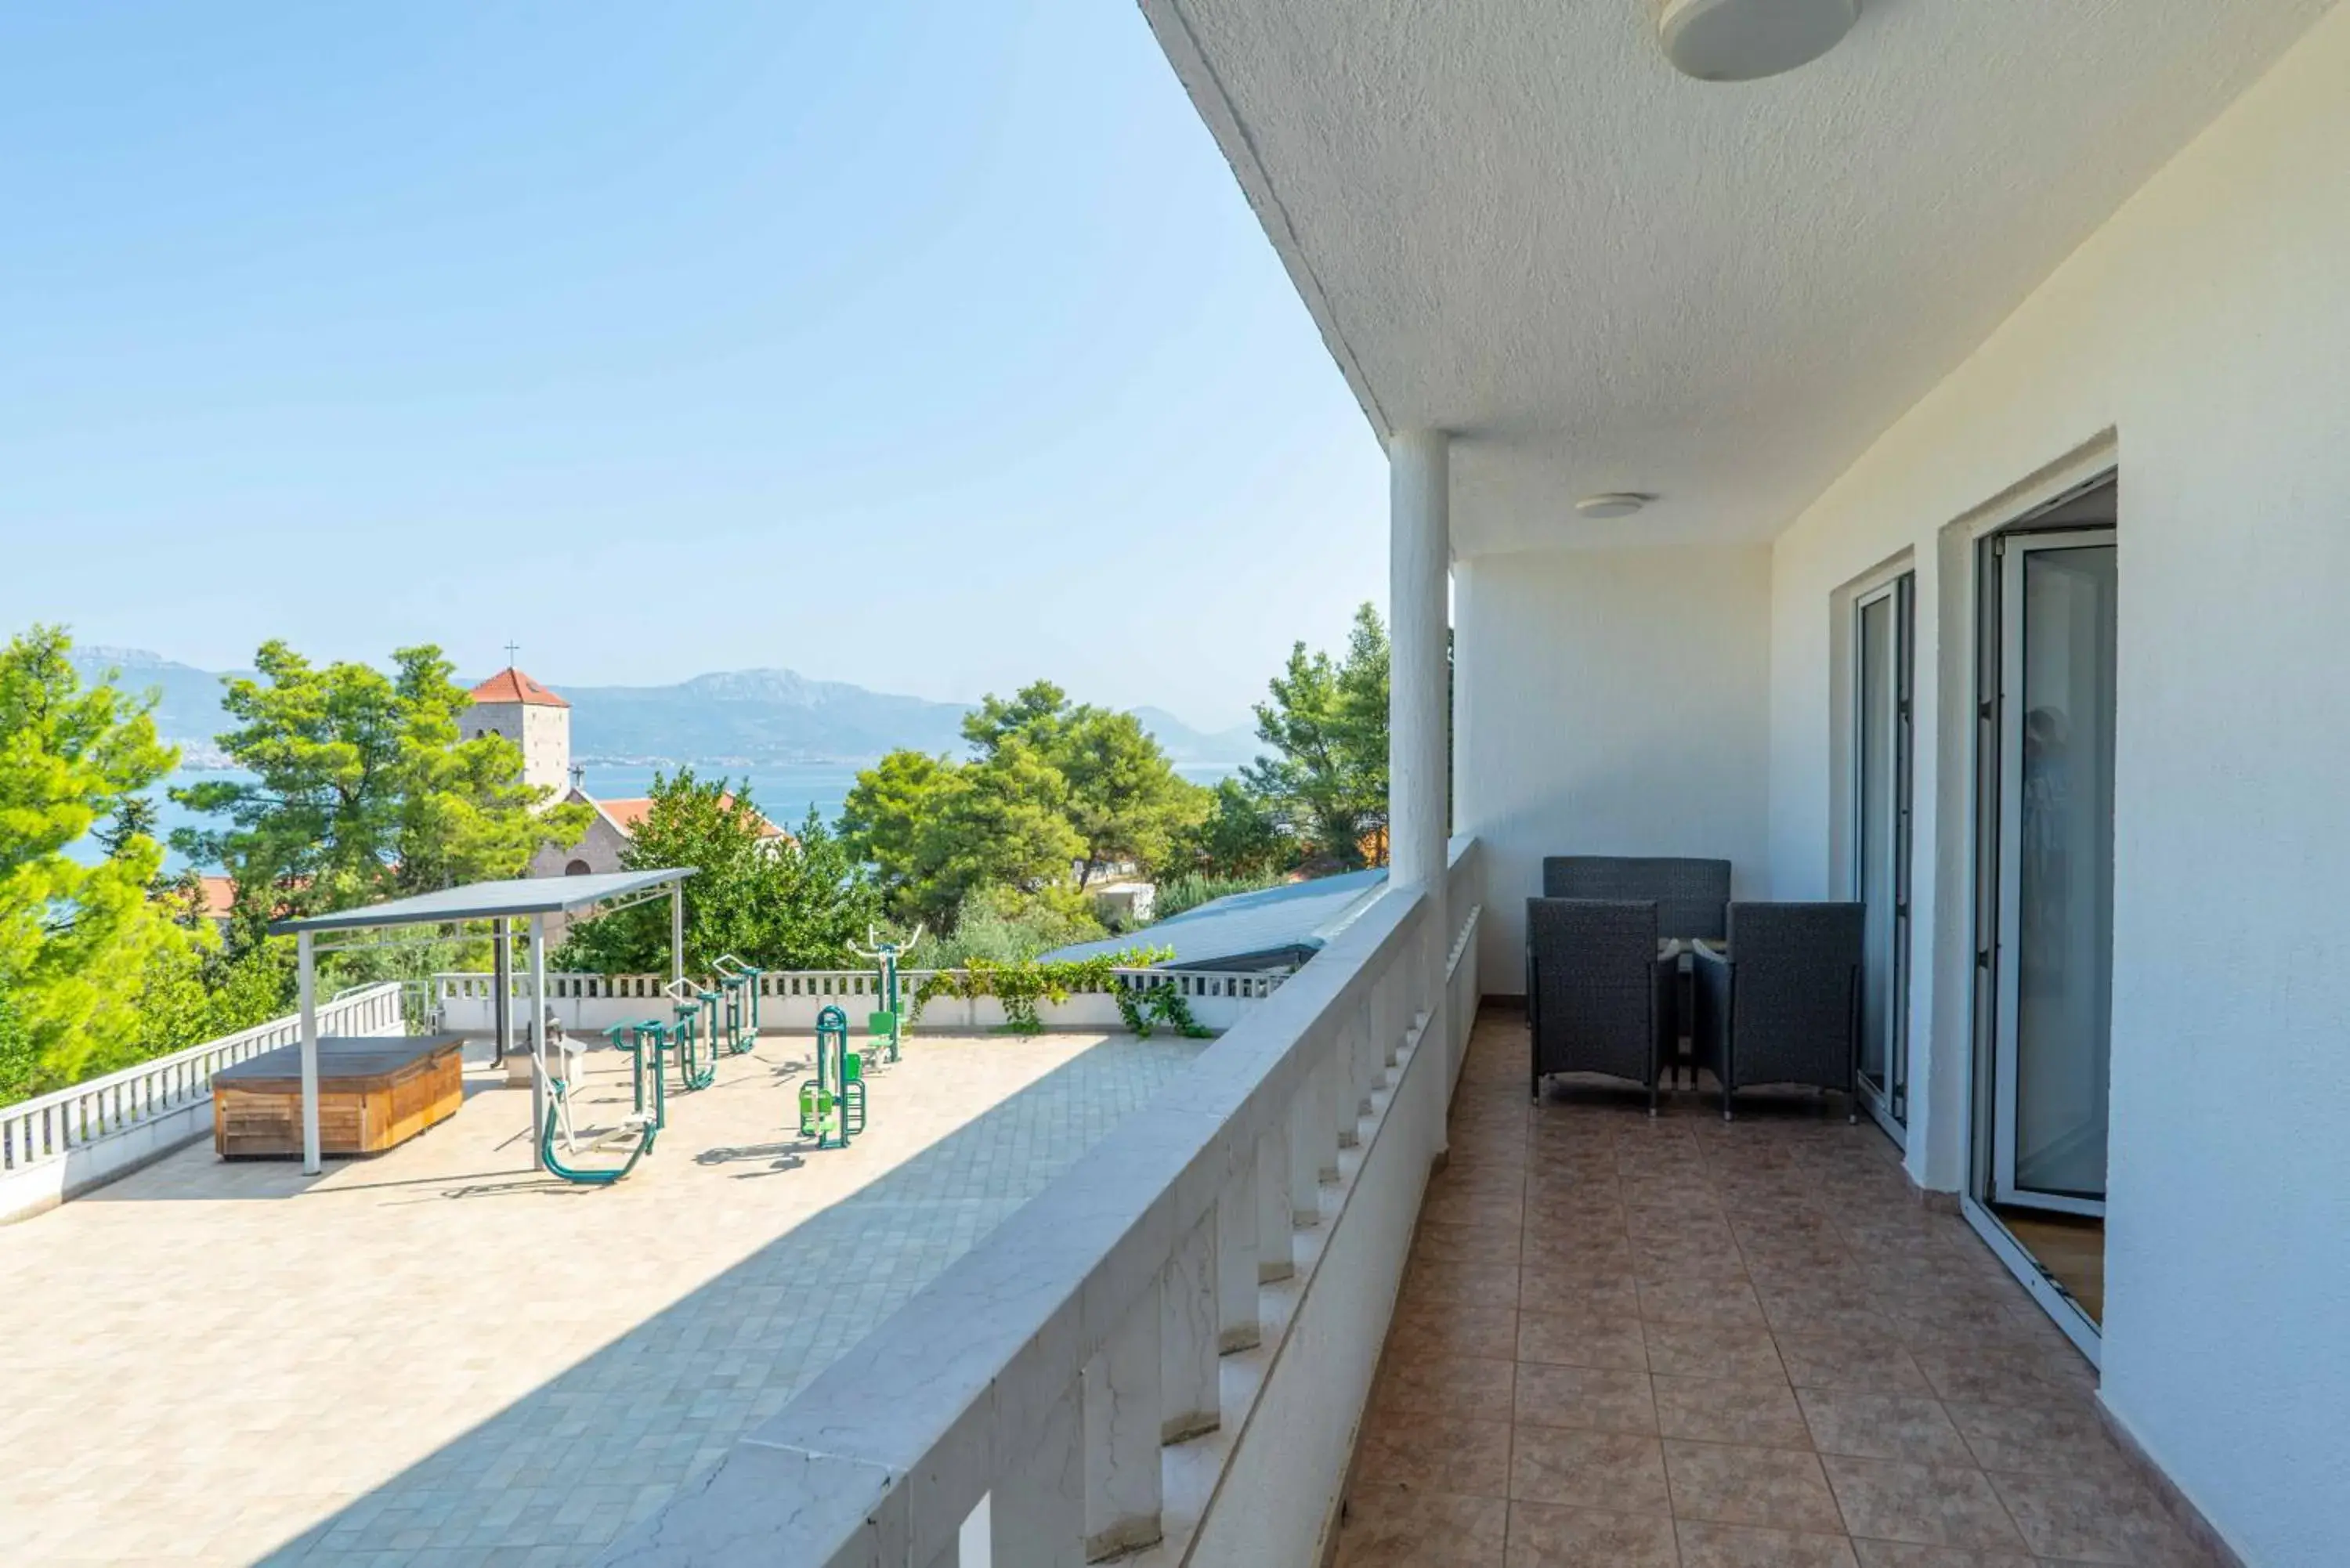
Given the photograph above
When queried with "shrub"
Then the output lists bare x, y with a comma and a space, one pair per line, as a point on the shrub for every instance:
1177, 894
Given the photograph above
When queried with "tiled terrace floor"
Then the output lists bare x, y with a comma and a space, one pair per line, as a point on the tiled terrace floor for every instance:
1681, 1343
437, 1358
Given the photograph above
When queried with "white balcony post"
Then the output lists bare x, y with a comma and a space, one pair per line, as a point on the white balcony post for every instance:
1036, 1510
1239, 1262
1123, 1406
1307, 1127
1333, 1098
1188, 1333
1276, 1244
1420, 551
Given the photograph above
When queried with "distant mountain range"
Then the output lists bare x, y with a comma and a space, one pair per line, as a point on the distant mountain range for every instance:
733, 718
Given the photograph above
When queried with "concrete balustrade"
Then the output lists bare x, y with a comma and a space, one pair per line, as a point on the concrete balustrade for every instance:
1162, 1358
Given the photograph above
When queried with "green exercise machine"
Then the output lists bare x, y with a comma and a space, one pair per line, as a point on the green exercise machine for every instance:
740, 982
832, 1104
644, 1043
695, 1030
885, 1029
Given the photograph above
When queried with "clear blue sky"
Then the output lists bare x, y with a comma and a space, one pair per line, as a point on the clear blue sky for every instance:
929, 346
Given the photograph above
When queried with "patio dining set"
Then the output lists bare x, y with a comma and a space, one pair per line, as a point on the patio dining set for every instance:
1639, 966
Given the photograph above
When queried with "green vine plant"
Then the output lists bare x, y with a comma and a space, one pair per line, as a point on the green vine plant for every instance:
1021, 987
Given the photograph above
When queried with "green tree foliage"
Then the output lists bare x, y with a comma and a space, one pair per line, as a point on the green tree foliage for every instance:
774, 903
997, 925
1051, 786
364, 788
1240, 839
1327, 782
76, 940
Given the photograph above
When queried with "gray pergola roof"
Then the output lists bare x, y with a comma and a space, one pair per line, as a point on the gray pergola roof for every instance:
490, 901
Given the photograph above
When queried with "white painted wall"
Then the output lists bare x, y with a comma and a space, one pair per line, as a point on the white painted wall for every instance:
2207, 325
1608, 703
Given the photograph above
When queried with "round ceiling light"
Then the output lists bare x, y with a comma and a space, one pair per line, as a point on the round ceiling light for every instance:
1745, 40
1614, 504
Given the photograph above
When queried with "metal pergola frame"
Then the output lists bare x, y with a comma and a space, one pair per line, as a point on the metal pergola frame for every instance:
500, 904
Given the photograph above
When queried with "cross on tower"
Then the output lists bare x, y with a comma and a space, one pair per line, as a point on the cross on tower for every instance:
511, 649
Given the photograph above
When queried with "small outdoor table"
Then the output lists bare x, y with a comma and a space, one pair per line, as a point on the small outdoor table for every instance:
374, 1093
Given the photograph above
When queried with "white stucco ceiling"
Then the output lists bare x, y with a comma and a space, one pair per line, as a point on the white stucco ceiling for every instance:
1514, 221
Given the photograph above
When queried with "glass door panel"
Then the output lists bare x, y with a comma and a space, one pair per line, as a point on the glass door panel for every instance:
2056, 802
1880, 850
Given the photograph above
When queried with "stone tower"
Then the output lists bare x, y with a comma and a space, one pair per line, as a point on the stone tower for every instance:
512, 704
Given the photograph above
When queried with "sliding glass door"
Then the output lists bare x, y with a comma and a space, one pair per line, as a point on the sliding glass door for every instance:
2053, 719
1883, 666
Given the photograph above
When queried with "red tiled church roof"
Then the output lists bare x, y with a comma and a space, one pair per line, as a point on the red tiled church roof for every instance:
627, 816
511, 685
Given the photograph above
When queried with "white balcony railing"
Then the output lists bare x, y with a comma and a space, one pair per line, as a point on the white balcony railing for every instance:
1164, 1355
68, 1141
790, 1000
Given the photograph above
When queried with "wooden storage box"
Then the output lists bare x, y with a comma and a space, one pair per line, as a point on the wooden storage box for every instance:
374, 1093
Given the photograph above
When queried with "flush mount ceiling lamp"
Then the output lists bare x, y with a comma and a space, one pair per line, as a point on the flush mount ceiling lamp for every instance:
1613, 504
1746, 40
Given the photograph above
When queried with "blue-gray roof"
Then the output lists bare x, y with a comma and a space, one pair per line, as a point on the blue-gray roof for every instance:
1263, 930
490, 900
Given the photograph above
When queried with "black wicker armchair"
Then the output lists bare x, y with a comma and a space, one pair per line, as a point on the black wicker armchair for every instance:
1597, 1000
1782, 1006
1691, 896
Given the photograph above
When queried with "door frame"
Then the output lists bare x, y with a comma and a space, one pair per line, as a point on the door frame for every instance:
2049, 492
1897, 585
2016, 546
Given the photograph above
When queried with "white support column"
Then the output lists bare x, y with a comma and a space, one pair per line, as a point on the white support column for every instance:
538, 1039
1036, 1510
1188, 1332
676, 931
306, 959
1309, 1125
1123, 1406
1277, 1246
1239, 1263
1419, 554
1334, 1099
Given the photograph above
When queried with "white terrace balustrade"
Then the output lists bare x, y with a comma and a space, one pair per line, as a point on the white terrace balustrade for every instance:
60, 1143
791, 999
1165, 1353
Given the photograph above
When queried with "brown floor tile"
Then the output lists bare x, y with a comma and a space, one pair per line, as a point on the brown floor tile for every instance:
1928, 1505
2003, 1377
1706, 1350
1386, 1528
1465, 1385
1778, 1489
1728, 1302
1437, 1243
1474, 1206
1828, 1362
1462, 1285
1589, 1397
1543, 1535
2035, 1438
1435, 1453
1574, 1340
1743, 1546
1709, 1410
1615, 1470
1544, 1287
1440, 1328
2094, 1519
1899, 1555
1883, 1427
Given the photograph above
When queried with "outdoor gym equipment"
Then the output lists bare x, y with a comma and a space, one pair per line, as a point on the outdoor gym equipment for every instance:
644, 1122
832, 1104
740, 980
886, 1026
691, 1003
